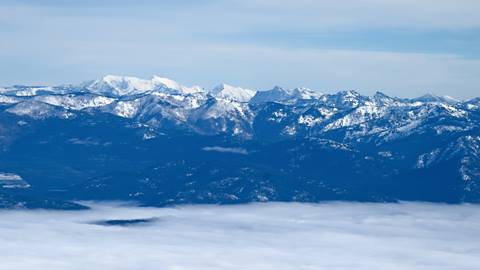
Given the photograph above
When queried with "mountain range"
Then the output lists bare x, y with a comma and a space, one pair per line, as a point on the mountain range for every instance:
158, 142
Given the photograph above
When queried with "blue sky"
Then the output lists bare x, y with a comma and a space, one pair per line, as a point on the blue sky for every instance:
403, 48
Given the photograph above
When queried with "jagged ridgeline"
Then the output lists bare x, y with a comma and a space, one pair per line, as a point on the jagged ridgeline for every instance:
158, 142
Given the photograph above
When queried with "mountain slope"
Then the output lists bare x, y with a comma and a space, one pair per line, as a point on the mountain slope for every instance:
158, 142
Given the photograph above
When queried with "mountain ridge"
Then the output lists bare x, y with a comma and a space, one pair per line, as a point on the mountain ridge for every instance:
159, 142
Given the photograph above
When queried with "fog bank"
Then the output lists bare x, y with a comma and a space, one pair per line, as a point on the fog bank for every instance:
255, 236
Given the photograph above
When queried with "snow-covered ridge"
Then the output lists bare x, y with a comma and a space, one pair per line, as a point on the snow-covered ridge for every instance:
230, 109
225, 91
279, 94
436, 99
116, 86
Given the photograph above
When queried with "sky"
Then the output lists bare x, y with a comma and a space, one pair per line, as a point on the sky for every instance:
276, 236
403, 48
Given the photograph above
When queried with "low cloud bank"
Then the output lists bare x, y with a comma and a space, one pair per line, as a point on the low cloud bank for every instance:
233, 150
255, 236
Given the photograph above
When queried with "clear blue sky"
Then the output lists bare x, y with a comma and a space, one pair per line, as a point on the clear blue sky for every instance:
403, 48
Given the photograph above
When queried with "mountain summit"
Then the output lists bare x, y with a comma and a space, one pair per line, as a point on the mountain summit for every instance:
233, 93
112, 85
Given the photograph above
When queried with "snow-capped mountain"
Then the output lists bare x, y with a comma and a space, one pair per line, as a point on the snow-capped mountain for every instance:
281, 95
225, 91
159, 142
435, 98
117, 86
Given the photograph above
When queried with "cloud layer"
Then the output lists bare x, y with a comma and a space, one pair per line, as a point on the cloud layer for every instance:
257, 236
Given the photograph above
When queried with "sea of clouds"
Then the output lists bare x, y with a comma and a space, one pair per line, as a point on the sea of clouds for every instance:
255, 236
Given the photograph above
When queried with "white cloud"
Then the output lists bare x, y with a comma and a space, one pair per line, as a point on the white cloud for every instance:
233, 150
256, 236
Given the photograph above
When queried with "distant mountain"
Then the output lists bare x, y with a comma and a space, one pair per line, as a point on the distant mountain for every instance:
225, 91
434, 98
159, 142
279, 94
117, 86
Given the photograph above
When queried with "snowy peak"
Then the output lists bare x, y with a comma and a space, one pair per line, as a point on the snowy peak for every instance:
225, 91
168, 85
349, 94
166, 82
306, 93
345, 99
381, 96
430, 98
277, 94
282, 95
113, 85
385, 100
